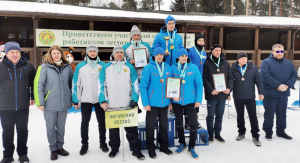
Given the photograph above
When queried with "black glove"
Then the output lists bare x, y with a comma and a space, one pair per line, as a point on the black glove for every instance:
133, 104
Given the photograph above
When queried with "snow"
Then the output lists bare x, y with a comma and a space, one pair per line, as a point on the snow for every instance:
34, 8
277, 151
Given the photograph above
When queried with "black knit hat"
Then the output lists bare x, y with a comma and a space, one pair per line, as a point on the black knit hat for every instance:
198, 37
215, 46
241, 54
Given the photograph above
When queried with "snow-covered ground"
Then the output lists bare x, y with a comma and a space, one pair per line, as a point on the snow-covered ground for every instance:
277, 150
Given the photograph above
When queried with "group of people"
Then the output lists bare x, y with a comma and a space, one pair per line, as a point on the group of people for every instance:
53, 88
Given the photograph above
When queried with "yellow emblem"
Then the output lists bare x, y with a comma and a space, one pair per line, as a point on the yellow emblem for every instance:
99, 69
125, 70
47, 37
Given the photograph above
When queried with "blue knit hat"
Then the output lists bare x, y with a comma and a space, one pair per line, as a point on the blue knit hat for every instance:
158, 50
169, 18
12, 46
181, 51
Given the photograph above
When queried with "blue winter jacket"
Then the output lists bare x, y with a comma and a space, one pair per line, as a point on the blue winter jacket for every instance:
153, 92
192, 90
160, 41
275, 72
195, 58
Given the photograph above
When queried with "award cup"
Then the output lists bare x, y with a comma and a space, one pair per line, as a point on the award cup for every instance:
167, 42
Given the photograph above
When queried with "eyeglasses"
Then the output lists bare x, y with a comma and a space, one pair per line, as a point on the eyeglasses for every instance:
282, 51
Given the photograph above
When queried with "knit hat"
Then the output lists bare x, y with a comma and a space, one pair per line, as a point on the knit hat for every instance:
216, 46
117, 48
241, 54
169, 18
181, 51
198, 37
12, 46
158, 50
134, 30
91, 47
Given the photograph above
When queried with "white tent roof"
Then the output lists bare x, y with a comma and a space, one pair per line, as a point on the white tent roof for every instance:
14, 7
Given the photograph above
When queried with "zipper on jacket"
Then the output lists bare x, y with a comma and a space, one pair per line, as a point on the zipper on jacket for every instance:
183, 94
162, 94
171, 57
21, 74
151, 93
16, 87
9, 74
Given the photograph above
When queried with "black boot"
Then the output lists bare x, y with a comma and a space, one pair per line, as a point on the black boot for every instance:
62, 152
104, 147
138, 155
152, 154
7, 160
220, 139
84, 149
24, 159
285, 136
166, 151
113, 153
53, 155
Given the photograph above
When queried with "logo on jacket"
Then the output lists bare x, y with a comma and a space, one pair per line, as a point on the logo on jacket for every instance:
125, 70
99, 69
167, 73
190, 73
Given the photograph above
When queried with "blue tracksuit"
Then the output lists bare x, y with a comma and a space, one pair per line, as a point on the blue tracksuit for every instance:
275, 72
195, 58
153, 92
160, 41
192, 90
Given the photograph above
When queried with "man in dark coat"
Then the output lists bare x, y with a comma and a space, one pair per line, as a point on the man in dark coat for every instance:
16, 83
216, 64
245, 77
278, 75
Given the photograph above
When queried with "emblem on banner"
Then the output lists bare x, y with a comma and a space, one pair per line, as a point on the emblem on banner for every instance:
47, 37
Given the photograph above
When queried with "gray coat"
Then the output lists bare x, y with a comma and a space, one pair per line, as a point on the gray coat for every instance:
52, 87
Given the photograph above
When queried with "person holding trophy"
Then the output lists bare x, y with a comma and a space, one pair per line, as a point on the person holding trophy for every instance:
168, 39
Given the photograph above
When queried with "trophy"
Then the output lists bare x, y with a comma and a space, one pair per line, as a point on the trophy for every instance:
167, 42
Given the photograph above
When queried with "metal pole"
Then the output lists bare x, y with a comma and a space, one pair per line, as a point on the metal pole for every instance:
123, 156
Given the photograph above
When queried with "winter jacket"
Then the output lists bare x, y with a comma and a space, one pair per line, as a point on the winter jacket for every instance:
275, 72
86, 81
118, 90
243, 90
160, 41
195, 58
129, 56
52, 87
16, 83
208, 70
192, 90
153, 92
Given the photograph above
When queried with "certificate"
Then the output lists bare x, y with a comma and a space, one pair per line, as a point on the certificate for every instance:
173, 87
140, 57
219, 82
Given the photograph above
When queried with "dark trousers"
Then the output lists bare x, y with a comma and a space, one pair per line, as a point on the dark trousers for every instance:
215, 107
10, 119
151, 116
86, 112
251, 109
192, 114
274, 105
132, 137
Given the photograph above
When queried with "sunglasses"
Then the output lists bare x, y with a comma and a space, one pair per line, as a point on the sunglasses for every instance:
282, 51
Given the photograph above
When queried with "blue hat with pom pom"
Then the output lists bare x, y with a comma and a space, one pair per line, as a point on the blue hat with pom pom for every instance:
158, 50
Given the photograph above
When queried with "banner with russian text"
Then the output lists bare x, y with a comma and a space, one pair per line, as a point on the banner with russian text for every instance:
116, 118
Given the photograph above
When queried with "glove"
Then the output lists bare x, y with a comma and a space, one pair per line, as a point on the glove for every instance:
133, 104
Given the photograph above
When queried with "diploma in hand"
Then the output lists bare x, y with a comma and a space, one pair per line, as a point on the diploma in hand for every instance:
173, 87
140, 57
219, 82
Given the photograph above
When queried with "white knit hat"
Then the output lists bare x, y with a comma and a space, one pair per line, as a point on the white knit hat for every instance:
134, 30
91, 47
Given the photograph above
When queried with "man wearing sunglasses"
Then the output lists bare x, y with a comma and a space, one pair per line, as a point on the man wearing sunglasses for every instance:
278, 75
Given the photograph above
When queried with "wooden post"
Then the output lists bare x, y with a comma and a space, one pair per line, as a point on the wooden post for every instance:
140, 26
269, 7
91, 25
255, 57
211, 37
288, 45
35, 50
221, 37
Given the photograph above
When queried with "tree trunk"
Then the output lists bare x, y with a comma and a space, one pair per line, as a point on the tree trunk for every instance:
247, 7
231, 7
152, 5
291, 5
269, 7
280, 8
